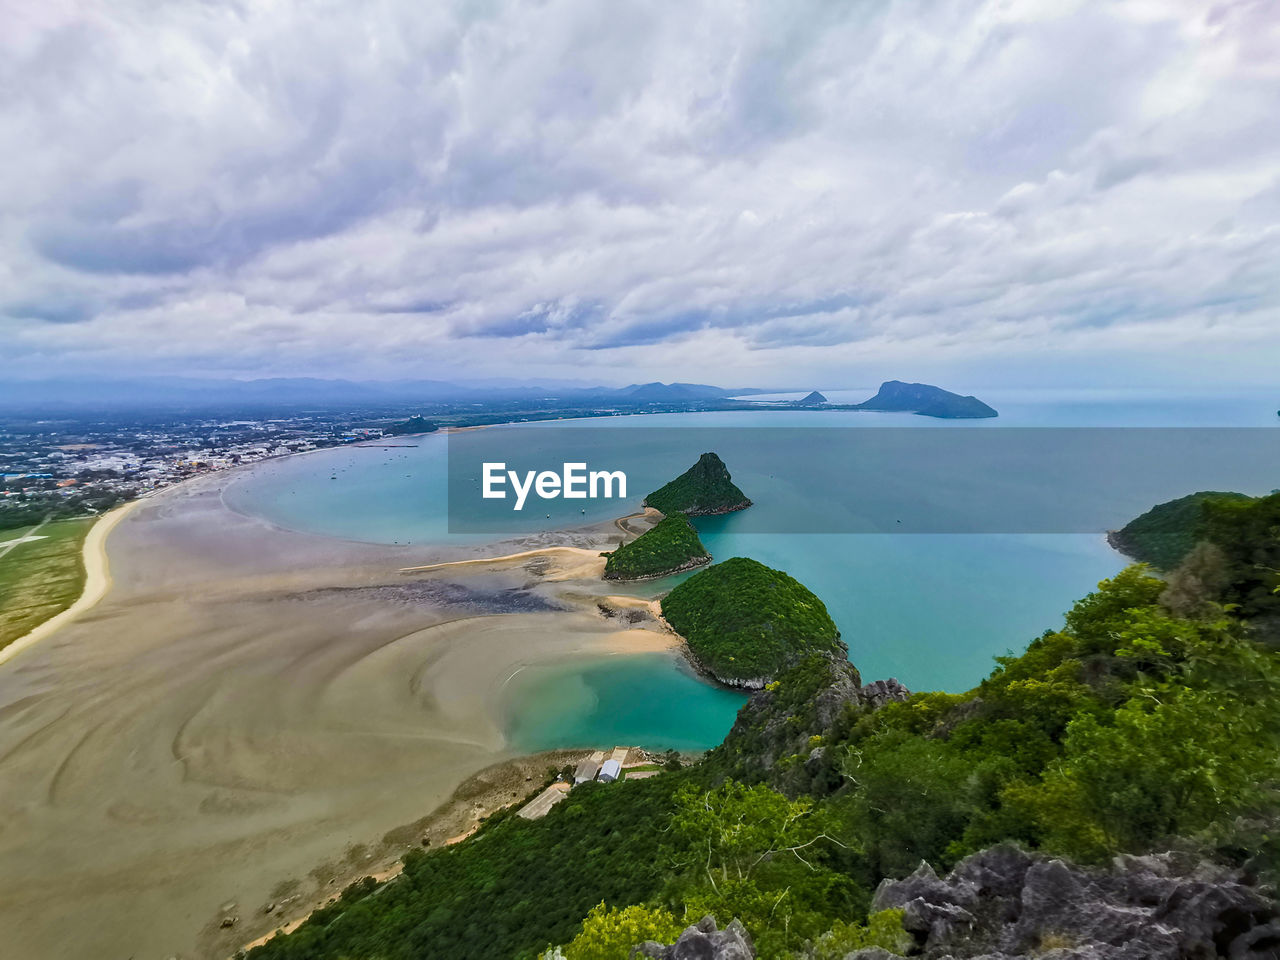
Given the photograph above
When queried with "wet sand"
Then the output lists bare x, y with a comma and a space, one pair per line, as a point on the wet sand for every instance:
246, 703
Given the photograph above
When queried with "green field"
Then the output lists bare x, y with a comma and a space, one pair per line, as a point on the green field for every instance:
40, 578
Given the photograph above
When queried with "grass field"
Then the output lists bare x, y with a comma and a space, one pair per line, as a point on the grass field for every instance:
40, 578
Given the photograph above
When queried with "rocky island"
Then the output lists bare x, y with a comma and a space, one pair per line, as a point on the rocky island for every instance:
814, 399
927, 401
745, 622
703, 490
672, 546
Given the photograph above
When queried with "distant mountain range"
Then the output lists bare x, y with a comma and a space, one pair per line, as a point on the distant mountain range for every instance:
308, 391
191, 393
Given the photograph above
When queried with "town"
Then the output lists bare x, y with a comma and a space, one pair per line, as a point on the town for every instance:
64, 468
80, 459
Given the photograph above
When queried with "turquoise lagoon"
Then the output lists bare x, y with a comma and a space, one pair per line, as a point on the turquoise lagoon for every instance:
651, 699
929, 609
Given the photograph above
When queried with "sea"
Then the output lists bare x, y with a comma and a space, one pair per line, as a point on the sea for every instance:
931, 607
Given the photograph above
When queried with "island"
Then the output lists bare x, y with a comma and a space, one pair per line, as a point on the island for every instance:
744, 622
672, 546
814, 399
705, 489
927, 401
1165, 534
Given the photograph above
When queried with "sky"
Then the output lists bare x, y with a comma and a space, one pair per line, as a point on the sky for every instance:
822, 193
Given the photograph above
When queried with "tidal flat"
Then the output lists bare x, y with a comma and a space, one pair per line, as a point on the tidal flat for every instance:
247, 703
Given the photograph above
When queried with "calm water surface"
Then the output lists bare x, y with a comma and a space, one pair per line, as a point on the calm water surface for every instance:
931, 610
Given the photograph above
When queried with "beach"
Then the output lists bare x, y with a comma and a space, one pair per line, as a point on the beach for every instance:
233, 704
97, 580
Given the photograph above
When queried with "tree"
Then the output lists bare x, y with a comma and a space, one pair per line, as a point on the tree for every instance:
1198, 581
753, 854
733, 830
1182, 753
609, 934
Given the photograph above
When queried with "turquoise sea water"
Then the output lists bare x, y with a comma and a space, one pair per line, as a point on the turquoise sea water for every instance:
930, 609
650, 699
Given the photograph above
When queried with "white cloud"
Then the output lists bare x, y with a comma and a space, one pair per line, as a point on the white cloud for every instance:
437, 189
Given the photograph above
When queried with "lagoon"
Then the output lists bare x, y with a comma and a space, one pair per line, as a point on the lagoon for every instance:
651, 699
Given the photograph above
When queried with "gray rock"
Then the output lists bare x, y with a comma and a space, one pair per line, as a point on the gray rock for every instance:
922, 884
939, 922
998, 871
879, 692
702, 941
1006, 904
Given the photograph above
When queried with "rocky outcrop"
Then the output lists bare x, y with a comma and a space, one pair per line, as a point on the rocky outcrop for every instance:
702, 941
781, 722
1004, 903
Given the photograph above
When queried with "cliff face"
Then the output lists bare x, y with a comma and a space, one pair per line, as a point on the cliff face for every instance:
926, 400
1005, 904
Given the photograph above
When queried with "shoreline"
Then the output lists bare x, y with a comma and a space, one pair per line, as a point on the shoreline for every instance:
497, 787
245, 702
97, 581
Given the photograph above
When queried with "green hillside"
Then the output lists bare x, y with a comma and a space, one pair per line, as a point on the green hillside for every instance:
1166, 533
1125, 730
671, 546
705, 488
745, 621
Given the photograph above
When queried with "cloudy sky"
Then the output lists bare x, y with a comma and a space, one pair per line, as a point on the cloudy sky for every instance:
1012, 191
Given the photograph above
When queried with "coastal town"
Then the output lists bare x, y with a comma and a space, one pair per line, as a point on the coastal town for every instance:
56, 469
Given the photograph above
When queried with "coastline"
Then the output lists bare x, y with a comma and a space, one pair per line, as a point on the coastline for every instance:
97, 581
246, 701
496, 787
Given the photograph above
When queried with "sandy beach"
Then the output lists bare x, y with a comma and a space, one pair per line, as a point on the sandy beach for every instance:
239, 704
97, 580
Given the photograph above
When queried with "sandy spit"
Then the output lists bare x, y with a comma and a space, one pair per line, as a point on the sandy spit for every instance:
242, 704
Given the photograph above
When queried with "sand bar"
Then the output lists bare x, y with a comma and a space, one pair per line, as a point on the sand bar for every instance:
243, 704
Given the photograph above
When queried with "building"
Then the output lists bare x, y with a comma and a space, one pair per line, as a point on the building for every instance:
588, 768
610, 772
538, 807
